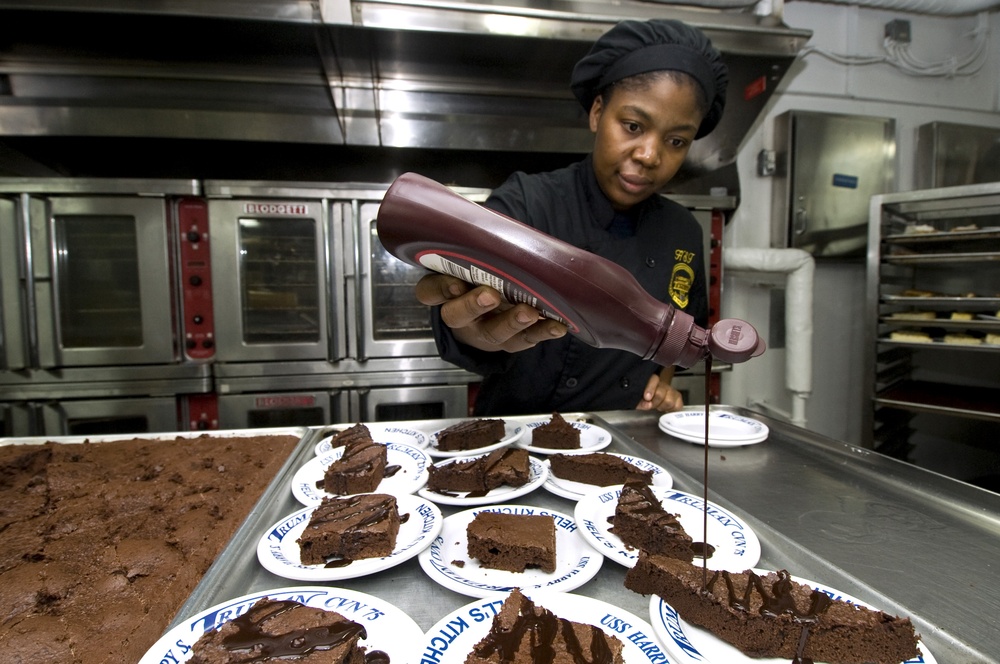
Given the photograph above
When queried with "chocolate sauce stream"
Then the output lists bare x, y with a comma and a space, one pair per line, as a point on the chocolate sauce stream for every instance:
704, 481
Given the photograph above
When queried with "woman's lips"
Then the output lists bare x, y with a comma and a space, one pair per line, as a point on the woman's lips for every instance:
633, 184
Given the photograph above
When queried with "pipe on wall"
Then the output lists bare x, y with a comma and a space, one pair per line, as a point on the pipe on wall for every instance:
798, 266
939, 7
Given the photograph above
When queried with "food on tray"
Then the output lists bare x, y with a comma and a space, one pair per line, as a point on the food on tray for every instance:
557, 434
470, 435
914, 229
992, 338
641, 523
914, 292
913, 315
961, 315
351, 528
507, 465
598, 469
965, 228
910, 335
772, 616
361, 467
523, 632
962, 340
282, 631
104, 541
512, 542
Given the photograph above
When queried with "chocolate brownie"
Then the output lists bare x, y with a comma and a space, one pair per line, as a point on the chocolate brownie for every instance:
282, 631
773, 616
597, 468
556, 434
104, 541
523, 632
352, 528
507, 465
470, 434
360, 469
641, 523
513, 542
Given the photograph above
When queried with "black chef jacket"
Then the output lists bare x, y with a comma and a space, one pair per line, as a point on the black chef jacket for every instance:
661, 245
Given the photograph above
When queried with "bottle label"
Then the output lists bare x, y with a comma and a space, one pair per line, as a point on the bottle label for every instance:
468, 271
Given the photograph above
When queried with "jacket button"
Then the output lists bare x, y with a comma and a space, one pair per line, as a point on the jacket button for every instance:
624, 382
650, 262
571, 382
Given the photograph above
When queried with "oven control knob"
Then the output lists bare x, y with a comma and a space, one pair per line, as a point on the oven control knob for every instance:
195, 280
207, 343
191, 343
193, 236
197, 319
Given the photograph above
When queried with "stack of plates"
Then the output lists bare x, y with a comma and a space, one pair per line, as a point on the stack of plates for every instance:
724, 429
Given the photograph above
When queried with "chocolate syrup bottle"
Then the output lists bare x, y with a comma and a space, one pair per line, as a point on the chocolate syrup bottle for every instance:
426, 224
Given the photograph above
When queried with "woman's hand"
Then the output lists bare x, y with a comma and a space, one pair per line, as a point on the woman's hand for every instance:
479, 317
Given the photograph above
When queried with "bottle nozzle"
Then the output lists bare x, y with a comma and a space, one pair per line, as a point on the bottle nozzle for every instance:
733, 340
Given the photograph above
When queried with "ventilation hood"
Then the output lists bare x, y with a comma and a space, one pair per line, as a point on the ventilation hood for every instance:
364, 76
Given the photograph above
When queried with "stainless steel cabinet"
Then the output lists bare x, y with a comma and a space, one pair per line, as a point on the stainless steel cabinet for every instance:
934, 316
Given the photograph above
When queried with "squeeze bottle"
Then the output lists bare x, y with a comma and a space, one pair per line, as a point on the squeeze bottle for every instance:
425, 224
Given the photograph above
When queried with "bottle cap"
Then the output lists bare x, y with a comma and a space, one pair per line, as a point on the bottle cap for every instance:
733, 340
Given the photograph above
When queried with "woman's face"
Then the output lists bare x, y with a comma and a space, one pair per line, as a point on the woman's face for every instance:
641, 136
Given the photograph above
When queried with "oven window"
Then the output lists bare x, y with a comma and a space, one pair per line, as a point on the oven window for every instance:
392, 412
98, 281
396, 313
279, 278
299, 417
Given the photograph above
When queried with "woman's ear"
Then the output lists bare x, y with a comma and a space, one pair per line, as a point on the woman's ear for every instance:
595, 112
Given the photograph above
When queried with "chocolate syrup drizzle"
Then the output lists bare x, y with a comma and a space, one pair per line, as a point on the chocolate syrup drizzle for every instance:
295, 644
541, 627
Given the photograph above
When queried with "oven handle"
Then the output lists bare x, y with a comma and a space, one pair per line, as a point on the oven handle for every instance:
27, 267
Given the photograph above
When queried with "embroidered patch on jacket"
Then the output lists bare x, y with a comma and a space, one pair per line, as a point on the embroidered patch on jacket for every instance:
681, 279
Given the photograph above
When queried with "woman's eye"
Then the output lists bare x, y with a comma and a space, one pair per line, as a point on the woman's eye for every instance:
632, 127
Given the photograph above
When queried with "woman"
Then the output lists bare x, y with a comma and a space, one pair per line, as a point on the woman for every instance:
650, 88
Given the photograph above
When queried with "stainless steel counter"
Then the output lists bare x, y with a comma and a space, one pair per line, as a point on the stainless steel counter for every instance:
904, 539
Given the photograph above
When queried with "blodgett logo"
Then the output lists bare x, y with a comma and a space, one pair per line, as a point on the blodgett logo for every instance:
734, 334
276, 208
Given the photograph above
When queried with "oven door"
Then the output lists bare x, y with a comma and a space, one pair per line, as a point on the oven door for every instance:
280, 409
393, 323
86, 417
423, 402
13, 317
16, 419
271, 289
101, 280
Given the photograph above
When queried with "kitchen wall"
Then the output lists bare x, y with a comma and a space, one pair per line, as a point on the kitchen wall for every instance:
817, 83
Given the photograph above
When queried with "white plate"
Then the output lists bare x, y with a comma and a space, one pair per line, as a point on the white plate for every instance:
689, 644
736, 545
512, 432
452, 639
576, 490
385, 433
278, 550
389, 629
412, 473
576, 561
721, 425
714, 442
592, 438
538, 472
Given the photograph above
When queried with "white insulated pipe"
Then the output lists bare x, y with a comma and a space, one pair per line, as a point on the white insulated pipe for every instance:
938, 7
798, 266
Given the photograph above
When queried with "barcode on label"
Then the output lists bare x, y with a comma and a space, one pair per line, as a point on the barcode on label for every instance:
485, 278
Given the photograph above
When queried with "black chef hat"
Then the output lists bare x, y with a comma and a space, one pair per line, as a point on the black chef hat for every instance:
639, 47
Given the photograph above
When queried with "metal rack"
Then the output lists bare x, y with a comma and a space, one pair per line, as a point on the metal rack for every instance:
933, 315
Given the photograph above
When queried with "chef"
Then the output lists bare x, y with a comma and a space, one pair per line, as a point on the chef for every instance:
650, 88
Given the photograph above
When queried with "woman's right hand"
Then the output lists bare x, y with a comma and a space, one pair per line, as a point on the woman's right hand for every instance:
479, 317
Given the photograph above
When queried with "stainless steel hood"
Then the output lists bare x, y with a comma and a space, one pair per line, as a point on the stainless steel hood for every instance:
363, 75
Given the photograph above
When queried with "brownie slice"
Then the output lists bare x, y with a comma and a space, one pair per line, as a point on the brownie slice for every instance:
770, 615
513, 542
507, 465
355, 527
470, 434
282, 631
641, 523
597, 468
523, 632
556, 434
359, 470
